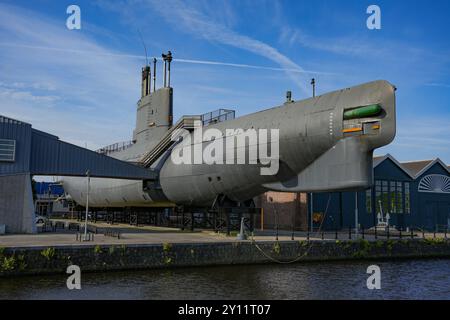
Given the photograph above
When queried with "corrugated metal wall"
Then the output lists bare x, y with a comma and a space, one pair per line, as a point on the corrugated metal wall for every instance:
39, 153
50, 156
21, 133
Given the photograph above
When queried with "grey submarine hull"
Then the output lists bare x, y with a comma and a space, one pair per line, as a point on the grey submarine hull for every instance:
325, 144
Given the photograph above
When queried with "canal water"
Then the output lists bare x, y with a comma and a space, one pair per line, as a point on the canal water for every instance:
406, 279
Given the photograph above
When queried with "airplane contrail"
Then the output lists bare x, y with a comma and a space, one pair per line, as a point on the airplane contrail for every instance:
191, 61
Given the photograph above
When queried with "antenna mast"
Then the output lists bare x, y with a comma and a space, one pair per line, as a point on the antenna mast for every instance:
145, 48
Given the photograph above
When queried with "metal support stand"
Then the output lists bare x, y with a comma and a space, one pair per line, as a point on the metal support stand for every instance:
241, 235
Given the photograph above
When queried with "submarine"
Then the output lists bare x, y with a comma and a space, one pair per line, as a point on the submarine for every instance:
320, 144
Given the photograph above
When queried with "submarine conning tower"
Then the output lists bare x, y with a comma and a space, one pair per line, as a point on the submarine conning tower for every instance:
154, 114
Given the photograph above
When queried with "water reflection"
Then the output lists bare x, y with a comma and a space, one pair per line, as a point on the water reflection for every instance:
409, 279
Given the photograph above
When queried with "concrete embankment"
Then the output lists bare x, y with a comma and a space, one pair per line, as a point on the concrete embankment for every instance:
49, 260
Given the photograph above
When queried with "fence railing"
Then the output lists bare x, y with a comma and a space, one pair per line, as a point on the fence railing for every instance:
219, 115
118, 146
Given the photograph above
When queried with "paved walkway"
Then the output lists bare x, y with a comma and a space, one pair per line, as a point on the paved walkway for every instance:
157, 235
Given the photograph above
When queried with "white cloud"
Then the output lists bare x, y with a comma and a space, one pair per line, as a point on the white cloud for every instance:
434, 84
190, 20
424, 138
63, 81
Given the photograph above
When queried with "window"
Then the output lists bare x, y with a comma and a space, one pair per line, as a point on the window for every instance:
369, 200
378, 196
7, 150
389, 197
399, 197
392, 196
407, 198
385, 196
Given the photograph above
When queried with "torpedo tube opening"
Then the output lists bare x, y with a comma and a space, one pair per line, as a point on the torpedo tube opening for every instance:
362, 120
363, 112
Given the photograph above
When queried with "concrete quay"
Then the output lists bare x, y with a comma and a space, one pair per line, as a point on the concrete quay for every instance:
152, 247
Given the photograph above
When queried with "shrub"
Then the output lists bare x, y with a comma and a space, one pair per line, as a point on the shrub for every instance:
97, 249
48, 253
167, 260
8, 263
431, 241
303, 243
364, 244
21, 262
276, 247
123, 249
379, 244
167, 247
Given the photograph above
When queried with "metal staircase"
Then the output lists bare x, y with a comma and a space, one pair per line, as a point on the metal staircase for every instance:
186, 122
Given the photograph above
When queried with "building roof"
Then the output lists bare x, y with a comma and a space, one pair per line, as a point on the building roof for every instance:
415, 166
379, 159
412, 168
432, 163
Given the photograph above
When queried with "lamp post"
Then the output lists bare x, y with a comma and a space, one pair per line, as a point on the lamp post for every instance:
87, 204
313, 83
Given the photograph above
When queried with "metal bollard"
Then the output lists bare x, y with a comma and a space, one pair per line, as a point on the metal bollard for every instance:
400, 234
412, 234
336, 234
362, 232
322, 235
388, 233
423, 234
376, 234
350, 233
307, 236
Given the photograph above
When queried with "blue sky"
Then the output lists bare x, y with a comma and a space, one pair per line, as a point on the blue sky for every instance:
83, 85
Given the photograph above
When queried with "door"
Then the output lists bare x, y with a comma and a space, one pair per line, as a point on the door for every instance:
430, 220
401, 221
444, 215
